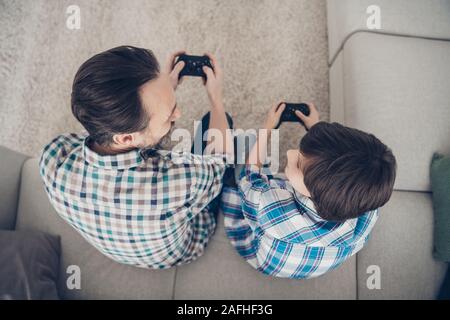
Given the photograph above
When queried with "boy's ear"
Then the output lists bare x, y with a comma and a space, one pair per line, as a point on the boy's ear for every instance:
303, 161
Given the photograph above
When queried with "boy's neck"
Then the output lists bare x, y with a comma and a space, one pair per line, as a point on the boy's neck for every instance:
300, 187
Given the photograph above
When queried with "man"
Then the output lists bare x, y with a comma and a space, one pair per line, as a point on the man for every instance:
114, 184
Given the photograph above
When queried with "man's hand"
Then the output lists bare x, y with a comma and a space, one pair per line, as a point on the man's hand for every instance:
313, 117
273, 116
213, 81
218, 118
173, 70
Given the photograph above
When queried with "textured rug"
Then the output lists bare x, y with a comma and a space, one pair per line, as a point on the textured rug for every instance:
270, 50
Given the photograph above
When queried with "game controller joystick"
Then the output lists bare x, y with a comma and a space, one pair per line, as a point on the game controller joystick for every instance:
289, 115
193, 65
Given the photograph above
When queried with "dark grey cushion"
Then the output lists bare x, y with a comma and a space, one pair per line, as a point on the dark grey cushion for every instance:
10, 169
29, 263
440, 185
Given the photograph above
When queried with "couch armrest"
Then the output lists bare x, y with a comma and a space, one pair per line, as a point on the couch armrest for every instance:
417, 18
10, 171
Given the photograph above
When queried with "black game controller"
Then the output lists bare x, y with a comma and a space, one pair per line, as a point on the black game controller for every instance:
193, 65
289, 115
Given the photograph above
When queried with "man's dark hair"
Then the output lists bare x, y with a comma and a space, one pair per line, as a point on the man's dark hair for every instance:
105, 92
347, 171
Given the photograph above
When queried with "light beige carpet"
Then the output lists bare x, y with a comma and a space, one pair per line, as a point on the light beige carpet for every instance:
270, 50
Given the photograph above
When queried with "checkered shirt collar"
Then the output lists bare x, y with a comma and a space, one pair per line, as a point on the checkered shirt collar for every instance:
306, 201
125, 160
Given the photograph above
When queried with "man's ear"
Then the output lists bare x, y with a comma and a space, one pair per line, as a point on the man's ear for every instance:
125, 139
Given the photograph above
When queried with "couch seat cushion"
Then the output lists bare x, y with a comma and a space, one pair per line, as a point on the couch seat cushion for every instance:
101, 277
401, 247
222, 274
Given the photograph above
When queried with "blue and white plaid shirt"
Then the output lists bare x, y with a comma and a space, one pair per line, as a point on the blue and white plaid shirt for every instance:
146, 208
278, 231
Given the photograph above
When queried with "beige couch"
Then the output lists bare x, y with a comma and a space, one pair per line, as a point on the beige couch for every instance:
395, 86
394, 83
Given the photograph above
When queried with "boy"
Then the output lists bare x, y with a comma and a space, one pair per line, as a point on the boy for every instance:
311, 222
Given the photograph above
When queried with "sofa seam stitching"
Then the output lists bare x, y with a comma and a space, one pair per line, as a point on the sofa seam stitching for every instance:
174, 283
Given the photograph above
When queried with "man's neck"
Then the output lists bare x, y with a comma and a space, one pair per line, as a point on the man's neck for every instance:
107, 151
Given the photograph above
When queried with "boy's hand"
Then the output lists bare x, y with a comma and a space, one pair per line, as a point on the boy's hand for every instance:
273, 116
173, 70
313, 117
213, 81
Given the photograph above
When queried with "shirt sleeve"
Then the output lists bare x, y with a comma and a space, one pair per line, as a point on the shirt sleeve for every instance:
252, 183
55, 153
266, 205
207, 174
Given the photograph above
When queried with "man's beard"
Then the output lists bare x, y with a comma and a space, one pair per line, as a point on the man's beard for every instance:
166, 141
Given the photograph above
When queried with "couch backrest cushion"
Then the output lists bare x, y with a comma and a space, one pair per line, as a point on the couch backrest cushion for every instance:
430, 18
398, 89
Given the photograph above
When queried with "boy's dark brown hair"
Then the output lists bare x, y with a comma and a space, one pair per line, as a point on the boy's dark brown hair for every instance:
347, 171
